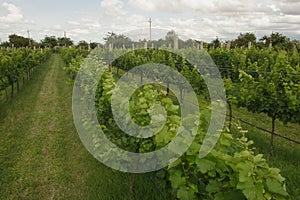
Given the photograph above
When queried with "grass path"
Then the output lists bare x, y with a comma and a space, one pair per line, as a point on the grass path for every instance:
41, 156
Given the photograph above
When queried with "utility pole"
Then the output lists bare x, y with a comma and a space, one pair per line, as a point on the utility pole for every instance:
29, 42
150, 22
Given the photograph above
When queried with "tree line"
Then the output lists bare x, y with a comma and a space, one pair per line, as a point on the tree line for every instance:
114, 40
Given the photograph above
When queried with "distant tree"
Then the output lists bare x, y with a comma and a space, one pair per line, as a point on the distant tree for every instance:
169, 38
83, 44
64, 41
109, 36
296, 44
49, 41
5, 44
117, 40
19, 41
216, 43
278, 41
95, 45
244, 39
170, 35
189, 43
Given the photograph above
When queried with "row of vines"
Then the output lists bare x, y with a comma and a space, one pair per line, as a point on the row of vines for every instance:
264, 81
17, 65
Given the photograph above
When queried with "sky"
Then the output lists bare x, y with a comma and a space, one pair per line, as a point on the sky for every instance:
204, 20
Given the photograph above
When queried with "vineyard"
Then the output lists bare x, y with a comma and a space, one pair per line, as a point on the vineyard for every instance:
263, 81
262, 87
17, 66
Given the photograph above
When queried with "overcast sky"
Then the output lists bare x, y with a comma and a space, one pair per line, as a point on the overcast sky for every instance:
196, 19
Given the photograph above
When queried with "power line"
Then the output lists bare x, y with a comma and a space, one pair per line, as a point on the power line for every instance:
265, 130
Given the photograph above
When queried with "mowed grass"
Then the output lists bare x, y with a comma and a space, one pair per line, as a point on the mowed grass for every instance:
286, 153
41, 156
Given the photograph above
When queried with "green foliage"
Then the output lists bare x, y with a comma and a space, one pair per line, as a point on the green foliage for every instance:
278, 41
216, 43
64, 41
19, 41
274, 90
140, 105
117, 40
230, 171
83, 44
223, 59
49, 41
15, 64
73, 57
120, 41
5, 62
268, 82
244, 39
138, 57
52, 41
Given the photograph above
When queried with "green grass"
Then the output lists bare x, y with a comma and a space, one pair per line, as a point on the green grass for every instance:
41, 156
286, 153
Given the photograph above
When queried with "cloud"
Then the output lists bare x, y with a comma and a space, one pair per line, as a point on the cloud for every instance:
175, 6
196, 19
204, 20
156, 5
14, 15
113, 7
289, 7
85, 28
115, 17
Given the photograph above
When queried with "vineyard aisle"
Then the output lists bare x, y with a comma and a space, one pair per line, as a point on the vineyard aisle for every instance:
38, 142
41, 156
